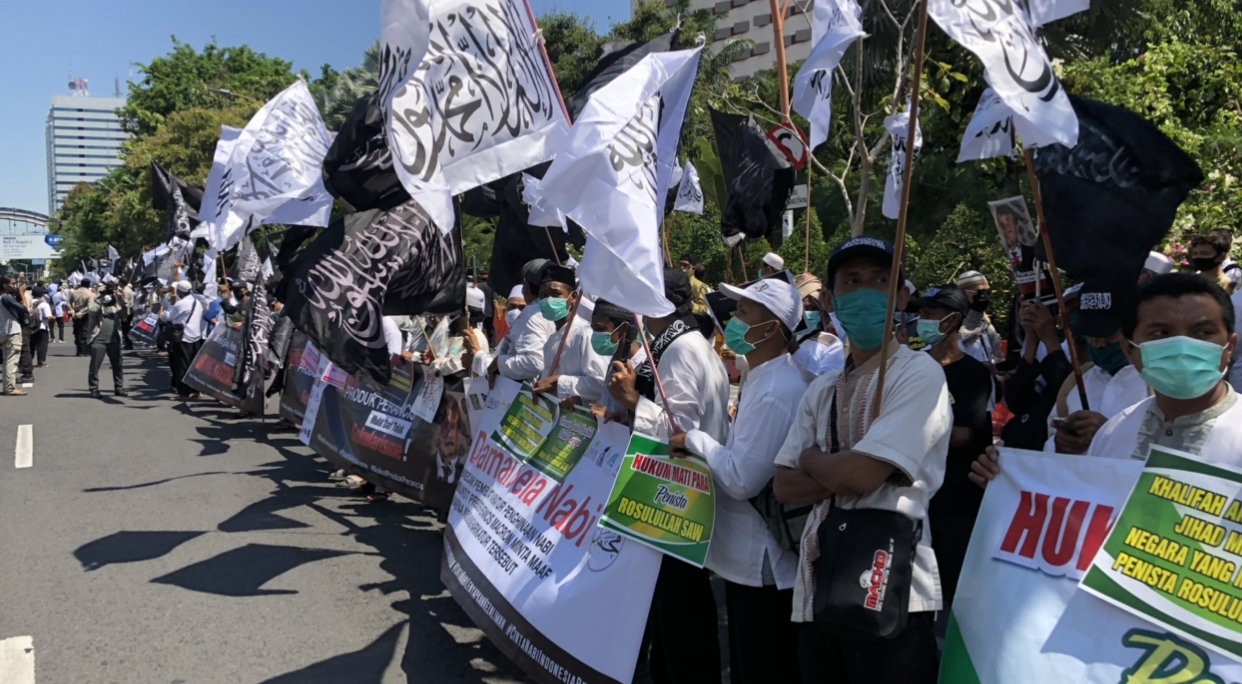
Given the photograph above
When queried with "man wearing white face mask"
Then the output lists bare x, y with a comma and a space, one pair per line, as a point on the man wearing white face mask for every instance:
1180, 333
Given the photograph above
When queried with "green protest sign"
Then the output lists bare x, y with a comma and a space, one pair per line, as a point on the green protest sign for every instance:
1174, 554
663, 502
567, 442
526, 424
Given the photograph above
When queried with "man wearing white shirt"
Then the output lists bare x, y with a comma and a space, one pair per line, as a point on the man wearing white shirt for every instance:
392, 336
758, 572
520, 355
818, 352
187, 312
893, 460
571, 369
685, 648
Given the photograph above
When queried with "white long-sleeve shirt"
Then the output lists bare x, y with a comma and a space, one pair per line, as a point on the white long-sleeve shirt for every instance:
583, 373
520, 355
698, 391
1108, 396
741, 542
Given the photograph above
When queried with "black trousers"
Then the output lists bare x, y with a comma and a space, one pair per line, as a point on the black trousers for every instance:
763, 642
25, 366
40, 339
180, 358
79, 336
60, 327
113, 352
909, 658
126, 324
685, 648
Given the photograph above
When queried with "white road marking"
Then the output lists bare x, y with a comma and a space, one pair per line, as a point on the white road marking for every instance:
25, 451
17, 665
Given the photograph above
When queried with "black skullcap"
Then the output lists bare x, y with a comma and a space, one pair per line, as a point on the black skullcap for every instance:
532, 271
609, 310
688, 257
559, 274
677, 290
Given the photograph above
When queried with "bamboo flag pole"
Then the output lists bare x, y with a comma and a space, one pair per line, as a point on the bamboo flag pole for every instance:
899, 244
782, 72
655, 373
806, 261
573, 313
1055, 276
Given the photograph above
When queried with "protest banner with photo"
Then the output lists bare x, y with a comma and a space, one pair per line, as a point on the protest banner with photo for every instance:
300, 373
666, 503
1019, 236
380, 437
212, 371
1019, 615
1174, 554
144, 329
564, 598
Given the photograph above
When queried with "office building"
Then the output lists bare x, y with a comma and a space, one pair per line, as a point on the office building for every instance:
752, 19
84, 140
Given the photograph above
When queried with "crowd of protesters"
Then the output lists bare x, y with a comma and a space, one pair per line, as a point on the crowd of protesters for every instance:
781, 400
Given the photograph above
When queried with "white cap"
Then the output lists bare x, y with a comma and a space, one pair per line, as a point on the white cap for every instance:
475, 298
1158, 263
774, 260
777, 295
517, 293
182, 286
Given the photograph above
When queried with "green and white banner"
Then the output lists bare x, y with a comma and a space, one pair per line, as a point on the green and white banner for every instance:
666, 503
1174, 554
1019, 616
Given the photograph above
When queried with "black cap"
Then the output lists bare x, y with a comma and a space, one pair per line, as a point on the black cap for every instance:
856, 247
1101, 302
532, 271
607, 309
948, 297
559, 274
677, 290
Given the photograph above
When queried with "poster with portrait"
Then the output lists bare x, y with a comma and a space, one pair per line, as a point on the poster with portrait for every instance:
1020, 238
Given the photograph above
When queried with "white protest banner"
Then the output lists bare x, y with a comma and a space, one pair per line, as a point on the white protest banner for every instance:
834, 25
481, 104
428, 399
614, 172
898, 126
1002, 36
1018, 616
526, 559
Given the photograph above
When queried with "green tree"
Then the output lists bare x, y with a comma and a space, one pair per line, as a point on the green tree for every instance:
185, 79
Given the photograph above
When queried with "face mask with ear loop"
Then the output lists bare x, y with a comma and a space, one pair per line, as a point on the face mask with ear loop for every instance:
735, 336
1182, 367
929, 331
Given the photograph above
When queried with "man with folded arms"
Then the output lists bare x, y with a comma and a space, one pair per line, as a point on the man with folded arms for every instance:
893, 461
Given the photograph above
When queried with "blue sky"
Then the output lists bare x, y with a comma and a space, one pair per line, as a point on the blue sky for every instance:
44, 38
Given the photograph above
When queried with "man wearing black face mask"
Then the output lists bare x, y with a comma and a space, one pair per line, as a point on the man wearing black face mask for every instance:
979, 338
1208, 253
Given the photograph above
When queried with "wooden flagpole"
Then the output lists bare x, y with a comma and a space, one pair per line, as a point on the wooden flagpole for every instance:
655, 373
899, 244
561, 347
1055, 276
782, 71
806, 260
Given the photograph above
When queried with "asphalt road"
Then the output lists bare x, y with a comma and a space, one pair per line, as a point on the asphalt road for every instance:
155, 542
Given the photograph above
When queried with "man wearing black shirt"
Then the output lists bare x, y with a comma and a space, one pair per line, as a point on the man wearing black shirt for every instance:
955, 505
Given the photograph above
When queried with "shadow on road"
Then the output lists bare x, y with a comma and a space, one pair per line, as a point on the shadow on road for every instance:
129, 547
244, 571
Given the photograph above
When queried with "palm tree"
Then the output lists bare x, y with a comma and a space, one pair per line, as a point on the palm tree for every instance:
353, 83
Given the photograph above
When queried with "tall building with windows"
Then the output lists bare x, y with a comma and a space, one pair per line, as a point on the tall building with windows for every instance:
752, 19
84, 140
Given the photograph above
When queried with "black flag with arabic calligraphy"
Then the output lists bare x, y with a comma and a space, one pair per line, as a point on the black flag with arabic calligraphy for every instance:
1109, 201
758, 181
365, 266
180, 199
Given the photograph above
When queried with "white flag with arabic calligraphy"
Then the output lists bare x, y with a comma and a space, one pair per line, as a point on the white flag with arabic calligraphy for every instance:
479, 102
613, 175
898, 126
278, 157
834, 25
689, 192
1015, 64
992, 128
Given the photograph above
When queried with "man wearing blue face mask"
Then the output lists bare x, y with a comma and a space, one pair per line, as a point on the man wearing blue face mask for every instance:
578, 371
889, 463
955, 506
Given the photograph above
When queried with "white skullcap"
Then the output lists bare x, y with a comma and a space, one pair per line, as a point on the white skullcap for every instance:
774, 260
1158, 263
517, 293
475, 297
182, 286
971, 278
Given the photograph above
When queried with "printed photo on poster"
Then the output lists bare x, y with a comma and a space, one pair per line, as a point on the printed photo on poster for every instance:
1019, 237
